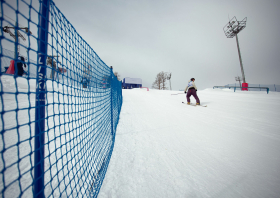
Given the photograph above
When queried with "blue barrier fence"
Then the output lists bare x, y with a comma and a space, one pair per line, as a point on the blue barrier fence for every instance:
247, 88
273, 87
30, 71
57, 131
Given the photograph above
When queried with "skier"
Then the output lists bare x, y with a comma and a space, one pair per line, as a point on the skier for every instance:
192, 91
20, 64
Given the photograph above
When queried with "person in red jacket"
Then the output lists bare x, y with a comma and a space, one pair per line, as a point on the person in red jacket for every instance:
191, 88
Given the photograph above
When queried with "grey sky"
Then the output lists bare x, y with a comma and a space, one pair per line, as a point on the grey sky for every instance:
142, 38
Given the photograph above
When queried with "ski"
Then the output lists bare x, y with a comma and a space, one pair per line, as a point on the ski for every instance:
195, 105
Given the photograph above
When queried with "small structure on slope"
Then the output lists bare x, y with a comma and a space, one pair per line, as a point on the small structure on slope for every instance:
130, 83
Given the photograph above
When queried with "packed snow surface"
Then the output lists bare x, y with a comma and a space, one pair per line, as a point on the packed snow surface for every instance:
164, 148
64, 105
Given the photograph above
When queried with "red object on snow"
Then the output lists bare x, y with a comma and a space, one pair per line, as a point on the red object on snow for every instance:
244, 85
11, 69
62, 70
145, 87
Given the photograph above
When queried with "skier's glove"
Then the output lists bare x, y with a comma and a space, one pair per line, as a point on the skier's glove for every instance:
185, 92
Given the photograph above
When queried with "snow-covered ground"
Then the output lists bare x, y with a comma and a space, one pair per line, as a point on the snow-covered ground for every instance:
165, 148
67, 151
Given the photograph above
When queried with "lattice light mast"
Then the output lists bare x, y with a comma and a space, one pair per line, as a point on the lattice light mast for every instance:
231, 29
16, 35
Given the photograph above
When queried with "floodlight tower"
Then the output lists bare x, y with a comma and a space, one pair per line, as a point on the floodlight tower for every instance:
16, 35
231, 29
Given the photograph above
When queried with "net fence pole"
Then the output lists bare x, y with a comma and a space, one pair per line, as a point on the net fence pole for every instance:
112, 114
40, 100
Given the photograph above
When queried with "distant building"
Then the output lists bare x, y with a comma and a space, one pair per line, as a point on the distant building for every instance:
129, 83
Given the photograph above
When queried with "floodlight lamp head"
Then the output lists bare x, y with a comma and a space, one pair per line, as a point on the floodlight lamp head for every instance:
5, 29
27, 31
231, 30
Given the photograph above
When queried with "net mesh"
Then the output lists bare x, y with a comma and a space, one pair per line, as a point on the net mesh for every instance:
82, 106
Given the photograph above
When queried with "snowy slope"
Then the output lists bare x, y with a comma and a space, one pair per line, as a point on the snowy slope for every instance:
164, 148
64, 105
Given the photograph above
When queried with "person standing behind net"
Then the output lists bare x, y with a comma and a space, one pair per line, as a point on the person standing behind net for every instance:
20, 64
192, 91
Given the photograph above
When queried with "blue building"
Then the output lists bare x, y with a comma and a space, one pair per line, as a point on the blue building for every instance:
130, 83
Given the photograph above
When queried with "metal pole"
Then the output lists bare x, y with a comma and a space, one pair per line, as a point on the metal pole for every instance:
16, 41
38, 183
240, 84
112, 113
16, 49
241, 65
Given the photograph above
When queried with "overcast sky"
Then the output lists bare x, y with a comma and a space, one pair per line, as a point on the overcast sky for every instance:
144, 37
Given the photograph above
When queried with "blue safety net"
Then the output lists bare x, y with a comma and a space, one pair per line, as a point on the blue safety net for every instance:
81, 106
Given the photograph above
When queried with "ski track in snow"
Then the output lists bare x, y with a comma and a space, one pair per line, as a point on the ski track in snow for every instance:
166, 149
